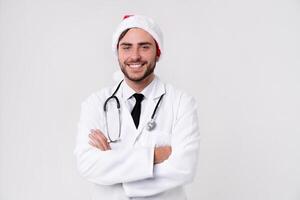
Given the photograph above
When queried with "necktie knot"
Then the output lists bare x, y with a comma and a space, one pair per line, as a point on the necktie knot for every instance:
138, 97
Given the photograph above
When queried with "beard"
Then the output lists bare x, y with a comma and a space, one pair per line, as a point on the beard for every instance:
147, 72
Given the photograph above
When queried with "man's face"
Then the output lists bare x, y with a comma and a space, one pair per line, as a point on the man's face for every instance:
137, 55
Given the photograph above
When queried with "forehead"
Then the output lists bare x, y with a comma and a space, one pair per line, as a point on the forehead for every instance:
137, 35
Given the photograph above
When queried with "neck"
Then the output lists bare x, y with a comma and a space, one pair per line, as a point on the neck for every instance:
138, 86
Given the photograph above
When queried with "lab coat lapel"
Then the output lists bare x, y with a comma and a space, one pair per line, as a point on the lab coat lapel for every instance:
128, 129
156, 92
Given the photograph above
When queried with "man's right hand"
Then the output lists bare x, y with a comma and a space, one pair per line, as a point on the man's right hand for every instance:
98, 140
161, 154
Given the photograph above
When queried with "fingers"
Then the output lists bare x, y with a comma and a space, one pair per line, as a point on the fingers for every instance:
100, 136
98, 140
161, 154
94, 142
165, 150
169, 150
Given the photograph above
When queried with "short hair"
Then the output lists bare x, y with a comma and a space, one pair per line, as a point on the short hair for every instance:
121, 36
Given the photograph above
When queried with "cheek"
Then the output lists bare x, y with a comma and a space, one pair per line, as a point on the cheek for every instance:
150, 55
122, 57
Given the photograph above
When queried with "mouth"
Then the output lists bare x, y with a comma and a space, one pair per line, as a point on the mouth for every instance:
135, 65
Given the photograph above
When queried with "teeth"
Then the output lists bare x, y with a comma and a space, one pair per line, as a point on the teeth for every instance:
135, 65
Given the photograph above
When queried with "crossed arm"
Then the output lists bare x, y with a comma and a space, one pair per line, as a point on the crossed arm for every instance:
144, 171
98, 140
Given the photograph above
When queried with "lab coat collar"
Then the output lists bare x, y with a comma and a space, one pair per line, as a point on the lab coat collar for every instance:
158, 89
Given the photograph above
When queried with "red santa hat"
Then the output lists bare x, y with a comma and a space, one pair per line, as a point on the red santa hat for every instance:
139, 21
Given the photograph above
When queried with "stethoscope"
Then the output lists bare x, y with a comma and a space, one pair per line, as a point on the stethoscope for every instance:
150, 125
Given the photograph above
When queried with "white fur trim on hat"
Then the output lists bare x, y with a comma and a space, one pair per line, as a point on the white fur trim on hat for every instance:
138, 21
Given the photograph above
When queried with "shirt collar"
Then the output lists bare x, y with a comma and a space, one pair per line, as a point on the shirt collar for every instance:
153, 90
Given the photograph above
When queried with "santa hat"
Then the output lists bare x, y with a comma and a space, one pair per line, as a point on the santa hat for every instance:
139, 21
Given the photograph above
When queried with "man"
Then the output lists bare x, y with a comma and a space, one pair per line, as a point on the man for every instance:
149, 150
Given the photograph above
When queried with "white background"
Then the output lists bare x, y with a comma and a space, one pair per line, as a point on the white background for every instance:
240, 59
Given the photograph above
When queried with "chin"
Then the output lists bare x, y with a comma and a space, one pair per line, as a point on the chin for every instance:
136, 79
136, 76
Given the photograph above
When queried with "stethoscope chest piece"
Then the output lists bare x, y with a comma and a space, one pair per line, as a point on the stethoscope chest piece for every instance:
151, 125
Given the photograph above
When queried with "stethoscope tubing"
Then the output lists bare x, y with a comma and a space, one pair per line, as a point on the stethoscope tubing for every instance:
150, 125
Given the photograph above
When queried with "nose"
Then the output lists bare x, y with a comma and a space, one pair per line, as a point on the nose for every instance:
135, 54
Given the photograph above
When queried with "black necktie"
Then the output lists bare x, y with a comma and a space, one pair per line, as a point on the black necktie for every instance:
136, 112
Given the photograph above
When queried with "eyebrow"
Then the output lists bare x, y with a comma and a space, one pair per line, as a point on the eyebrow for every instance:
130, 44
125, 44
144, 43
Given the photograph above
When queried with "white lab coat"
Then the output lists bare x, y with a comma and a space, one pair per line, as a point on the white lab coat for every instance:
127, 171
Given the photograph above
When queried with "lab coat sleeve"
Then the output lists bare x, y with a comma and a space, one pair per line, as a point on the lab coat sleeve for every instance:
112, 166
181, 166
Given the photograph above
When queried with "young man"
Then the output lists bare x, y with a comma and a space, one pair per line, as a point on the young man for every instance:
148, 149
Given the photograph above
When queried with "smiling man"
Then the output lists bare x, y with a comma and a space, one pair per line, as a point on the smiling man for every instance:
148, 149
137, 55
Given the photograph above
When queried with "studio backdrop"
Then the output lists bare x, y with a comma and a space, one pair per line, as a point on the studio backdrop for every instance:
239, 59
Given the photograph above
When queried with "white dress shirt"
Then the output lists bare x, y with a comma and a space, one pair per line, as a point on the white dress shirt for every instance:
127, 93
